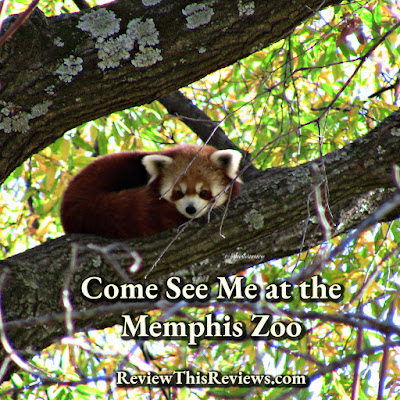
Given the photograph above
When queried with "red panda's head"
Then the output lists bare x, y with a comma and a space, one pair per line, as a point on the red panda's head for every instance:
194, 181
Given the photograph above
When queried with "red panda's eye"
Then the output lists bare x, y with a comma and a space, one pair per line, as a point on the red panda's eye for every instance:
203, 194
179, 193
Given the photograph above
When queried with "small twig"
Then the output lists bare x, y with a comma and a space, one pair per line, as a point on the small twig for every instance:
355, 391
320, 208
386, 355
396, 176
65, 293
226, 207
170, 243
395, 86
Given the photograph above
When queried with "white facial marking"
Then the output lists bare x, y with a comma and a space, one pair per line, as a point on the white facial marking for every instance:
192, 206
217, 190
198, 187
183, 187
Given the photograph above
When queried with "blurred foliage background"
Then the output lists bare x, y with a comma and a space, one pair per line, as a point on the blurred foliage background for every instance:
297, 99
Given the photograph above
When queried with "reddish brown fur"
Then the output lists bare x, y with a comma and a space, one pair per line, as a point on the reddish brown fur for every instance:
110, 197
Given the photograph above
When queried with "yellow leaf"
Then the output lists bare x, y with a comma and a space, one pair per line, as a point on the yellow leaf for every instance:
59, 190
65, 145
50, 177
49, 205
82, 161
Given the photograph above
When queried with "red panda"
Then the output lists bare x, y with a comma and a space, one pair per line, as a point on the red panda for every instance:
130, 194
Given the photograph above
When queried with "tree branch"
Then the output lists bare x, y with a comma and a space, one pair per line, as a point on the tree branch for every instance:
204, 127
77, 73
281, 221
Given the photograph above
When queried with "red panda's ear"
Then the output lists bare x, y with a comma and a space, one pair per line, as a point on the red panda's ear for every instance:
154, 164
229, 160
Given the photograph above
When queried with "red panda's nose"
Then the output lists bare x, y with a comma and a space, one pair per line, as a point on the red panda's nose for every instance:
190, 210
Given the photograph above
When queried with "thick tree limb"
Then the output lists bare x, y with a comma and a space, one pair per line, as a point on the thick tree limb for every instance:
204, 127
54, 75
267, 221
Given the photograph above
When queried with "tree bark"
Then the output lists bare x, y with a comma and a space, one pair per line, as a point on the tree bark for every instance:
56, 74
267, 221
